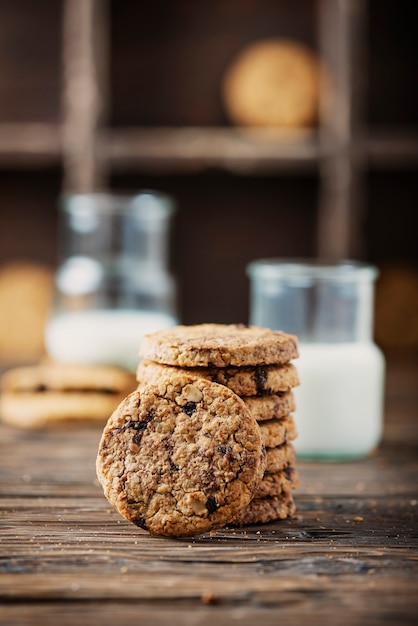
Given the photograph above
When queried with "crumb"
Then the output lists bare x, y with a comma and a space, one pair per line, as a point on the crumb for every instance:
358, 518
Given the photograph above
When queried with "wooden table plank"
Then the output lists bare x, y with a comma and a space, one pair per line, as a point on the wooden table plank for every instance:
349, 556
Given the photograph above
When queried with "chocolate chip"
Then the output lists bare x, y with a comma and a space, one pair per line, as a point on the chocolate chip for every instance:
211, 504
260, 379
108, 392
140, 521
138, 425
288, 472
41, 388
173, 466
189, 408
227, 451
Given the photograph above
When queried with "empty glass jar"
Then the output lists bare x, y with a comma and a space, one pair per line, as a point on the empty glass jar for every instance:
112, 284
339, 403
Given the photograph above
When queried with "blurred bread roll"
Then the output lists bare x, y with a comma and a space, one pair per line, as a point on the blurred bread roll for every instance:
25, 296
273, 83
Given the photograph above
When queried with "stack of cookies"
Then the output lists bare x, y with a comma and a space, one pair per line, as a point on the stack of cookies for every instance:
253, 363
49, 394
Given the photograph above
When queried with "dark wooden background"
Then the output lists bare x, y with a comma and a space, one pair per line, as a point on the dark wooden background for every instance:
165, 65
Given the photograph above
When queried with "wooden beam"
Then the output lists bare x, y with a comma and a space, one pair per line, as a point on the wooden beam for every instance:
195, 149
85, 92
340, 213
30, 144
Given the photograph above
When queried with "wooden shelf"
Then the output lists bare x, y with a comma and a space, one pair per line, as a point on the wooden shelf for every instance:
392, 148
340, 150
195, 149
30, 144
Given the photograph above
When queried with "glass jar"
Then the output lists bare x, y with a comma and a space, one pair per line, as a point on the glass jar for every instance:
339, 403
112, 284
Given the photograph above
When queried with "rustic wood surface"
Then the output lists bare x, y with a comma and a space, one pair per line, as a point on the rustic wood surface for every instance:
349, 556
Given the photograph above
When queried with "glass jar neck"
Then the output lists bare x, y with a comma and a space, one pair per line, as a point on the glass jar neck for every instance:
319, 303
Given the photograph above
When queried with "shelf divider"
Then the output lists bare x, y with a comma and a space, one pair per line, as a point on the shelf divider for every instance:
85, 92
340, 213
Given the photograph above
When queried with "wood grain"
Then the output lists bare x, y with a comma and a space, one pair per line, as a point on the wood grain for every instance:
349, 556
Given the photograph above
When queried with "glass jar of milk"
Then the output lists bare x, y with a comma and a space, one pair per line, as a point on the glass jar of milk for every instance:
112, 283
339, 403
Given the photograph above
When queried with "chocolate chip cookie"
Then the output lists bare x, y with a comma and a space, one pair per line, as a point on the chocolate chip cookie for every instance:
244, 381
280, 457
272, 406
181, 457
268, 509
273, 83
54, 393
276, 432
219, 345
279, 483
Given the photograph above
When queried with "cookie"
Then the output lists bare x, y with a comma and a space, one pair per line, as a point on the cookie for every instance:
51, 394
25, 299
279, 483
180, 457
276, 432
50, 376
219, 345
244, 381
273, 83
270, 406
279, 458
268, 509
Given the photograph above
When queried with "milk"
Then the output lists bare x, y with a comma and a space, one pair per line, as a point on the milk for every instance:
102, 336
339, 404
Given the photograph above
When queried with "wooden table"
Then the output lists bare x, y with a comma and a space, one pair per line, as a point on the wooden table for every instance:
348, 557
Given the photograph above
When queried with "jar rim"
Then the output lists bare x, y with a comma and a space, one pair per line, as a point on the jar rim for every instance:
288, 269
147, 203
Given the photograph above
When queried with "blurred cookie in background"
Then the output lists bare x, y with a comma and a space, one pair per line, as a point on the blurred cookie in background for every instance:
25, 299
273, 83
51, 394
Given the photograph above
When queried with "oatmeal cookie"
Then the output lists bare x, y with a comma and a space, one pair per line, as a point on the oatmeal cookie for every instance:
244, 381
181, 457
279, 483
273, 83
276, 432
280, 457
50, 376
268, 509
219, 345
271, 406
52, 394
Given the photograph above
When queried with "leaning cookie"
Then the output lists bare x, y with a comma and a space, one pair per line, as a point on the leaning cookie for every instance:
181, 457
56, 394
244, 381
219, 345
